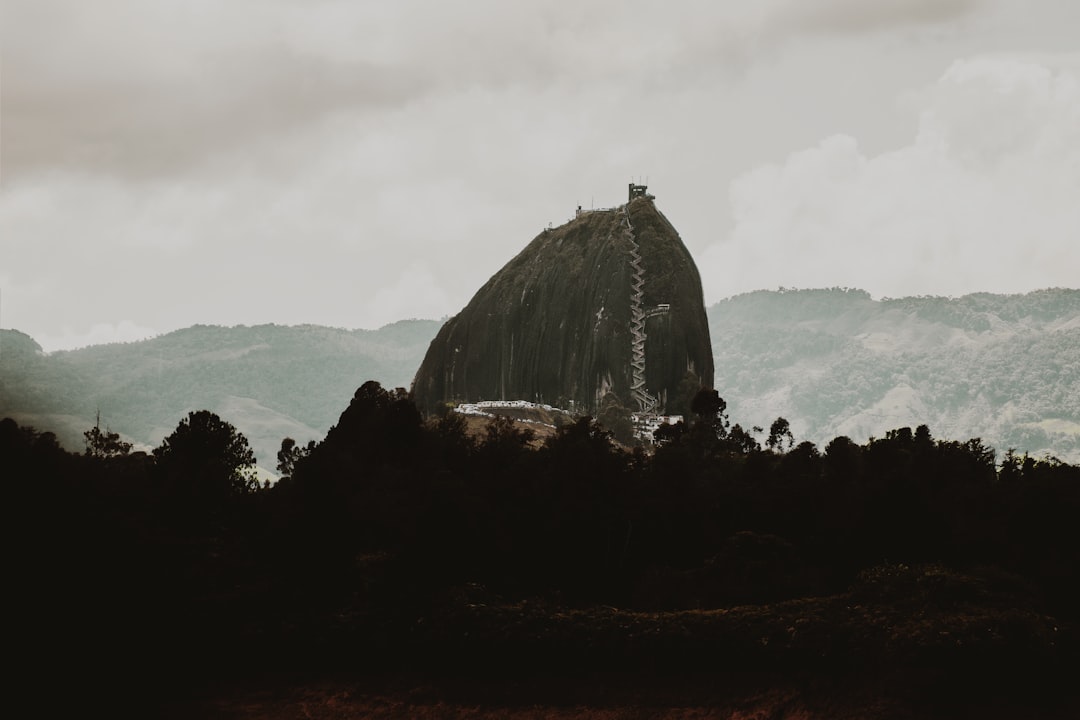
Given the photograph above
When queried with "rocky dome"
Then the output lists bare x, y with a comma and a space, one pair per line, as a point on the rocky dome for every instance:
606, 307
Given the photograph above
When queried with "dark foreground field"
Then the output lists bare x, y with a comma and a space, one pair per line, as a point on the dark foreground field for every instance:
405, 568
731, 695
940, 646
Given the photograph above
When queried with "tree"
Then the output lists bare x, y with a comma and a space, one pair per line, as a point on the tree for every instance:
842, 458
615, 418
711, 410
802, 462
105, 444
379, 426
923, 439
290, 454
780, 437
503, 437
208, 458
684, 394
666, 434
744, 442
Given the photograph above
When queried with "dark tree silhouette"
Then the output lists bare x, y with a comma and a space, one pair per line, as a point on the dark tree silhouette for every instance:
404, 537
708, 405
842, 459
743, 441
378, 426
290, 454
711, 411
208, 458
104, 444
669, 433
780, 437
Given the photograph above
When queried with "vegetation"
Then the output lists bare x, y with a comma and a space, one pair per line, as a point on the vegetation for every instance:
832, 362
402, 544
207, 458
104, 443
272, 381
836, 362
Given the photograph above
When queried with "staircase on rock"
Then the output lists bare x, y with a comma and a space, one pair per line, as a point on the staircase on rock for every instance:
646, 402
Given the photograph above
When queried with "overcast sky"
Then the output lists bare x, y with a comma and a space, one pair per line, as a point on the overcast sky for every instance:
172, 162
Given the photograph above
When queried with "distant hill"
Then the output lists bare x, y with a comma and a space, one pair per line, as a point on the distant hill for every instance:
1005, 368
270, 381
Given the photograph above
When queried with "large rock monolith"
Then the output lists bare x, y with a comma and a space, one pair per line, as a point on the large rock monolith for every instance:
567, 320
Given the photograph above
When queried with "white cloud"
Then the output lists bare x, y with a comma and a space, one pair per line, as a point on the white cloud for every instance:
985, 196
146, 88
170, 162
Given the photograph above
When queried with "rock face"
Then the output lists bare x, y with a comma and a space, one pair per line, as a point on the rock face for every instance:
558, 323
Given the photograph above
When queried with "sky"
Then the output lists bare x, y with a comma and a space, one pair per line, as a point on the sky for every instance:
171, 162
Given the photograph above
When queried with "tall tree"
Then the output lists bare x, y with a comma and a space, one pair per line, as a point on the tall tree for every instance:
290, 454
780, 437
104, 444
208, 458
711, 411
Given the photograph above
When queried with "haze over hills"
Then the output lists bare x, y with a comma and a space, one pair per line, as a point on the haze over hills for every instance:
1005, 368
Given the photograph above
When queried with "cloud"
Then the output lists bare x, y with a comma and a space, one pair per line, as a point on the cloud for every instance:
144, 89
177, 161
859, 16
149, 89
984, 197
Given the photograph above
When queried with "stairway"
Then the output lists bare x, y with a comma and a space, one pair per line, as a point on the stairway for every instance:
646, 402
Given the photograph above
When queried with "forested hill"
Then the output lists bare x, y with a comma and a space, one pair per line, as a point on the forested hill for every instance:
270, 381
1005, 368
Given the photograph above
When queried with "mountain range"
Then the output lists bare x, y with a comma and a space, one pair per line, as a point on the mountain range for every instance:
270, 381
1004, 368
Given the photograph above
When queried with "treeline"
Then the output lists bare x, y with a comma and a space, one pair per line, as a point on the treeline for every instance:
395, 518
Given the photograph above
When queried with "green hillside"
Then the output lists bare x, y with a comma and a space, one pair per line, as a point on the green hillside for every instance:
270, 381
1005, 368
